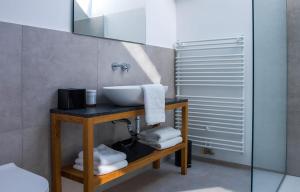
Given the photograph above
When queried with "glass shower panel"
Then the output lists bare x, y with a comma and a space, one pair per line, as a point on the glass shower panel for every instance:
270, 95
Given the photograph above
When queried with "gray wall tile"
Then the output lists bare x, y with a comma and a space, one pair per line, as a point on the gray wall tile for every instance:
71, 135
10, 77
293, 156
164, 61
53, 60
293, 69
11, 147
293, 20
293, 136
109, 133
36, 151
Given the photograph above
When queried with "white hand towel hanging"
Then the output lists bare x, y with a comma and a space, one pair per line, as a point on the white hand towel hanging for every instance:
154, 99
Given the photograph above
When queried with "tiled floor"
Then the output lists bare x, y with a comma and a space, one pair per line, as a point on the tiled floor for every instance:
290, 184
202, 177
266, 181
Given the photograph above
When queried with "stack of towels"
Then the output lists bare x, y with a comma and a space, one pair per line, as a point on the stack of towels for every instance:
106, 160
161, 138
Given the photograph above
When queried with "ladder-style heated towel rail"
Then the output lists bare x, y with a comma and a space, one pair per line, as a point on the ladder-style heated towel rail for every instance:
211, 74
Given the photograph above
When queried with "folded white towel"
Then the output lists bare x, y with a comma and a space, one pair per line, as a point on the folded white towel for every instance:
158, 135
154, 99
165, 144
104, 169
79, 161
104, 155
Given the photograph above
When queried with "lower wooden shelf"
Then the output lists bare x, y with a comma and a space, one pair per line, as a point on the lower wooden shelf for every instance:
73, 174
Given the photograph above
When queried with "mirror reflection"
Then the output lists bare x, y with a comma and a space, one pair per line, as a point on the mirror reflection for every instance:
113, 19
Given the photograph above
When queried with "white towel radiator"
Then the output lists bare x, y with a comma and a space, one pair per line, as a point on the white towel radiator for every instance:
211, 74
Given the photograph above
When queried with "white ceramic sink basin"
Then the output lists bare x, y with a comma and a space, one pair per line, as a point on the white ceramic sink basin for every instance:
126, 95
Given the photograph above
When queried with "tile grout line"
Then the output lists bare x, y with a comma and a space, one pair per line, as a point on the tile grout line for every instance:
22, 93
98, 59
98, 90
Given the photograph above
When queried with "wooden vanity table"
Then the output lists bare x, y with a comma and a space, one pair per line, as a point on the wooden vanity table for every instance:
101, 114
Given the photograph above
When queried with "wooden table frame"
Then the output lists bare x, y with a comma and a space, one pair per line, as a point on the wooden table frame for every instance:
87, 177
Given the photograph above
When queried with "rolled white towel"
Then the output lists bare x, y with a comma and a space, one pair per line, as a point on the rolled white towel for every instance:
165, 144
79, 161
104, 155
158, 135
104, 169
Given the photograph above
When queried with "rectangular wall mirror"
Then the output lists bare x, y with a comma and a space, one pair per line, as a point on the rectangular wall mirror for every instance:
113, 19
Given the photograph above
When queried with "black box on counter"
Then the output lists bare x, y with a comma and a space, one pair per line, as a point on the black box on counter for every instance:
71, 99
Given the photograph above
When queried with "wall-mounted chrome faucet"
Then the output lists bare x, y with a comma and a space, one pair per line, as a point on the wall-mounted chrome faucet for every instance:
123, 66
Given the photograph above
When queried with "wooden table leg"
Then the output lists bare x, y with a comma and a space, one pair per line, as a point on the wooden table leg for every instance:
88, 155
156, 164
184, 151
56, 154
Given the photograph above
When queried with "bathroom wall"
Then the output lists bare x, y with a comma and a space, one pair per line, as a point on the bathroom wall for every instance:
197, 20
293, 138
35, 62
161, 22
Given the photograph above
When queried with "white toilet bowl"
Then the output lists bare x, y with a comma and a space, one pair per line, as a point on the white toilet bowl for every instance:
15, 179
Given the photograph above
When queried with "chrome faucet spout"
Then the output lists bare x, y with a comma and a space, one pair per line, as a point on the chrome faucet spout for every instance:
123, 66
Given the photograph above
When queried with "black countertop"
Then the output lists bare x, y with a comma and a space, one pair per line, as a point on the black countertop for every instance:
106, 109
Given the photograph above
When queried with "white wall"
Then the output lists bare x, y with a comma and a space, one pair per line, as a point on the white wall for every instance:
57, 15
201, 19
161, 22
